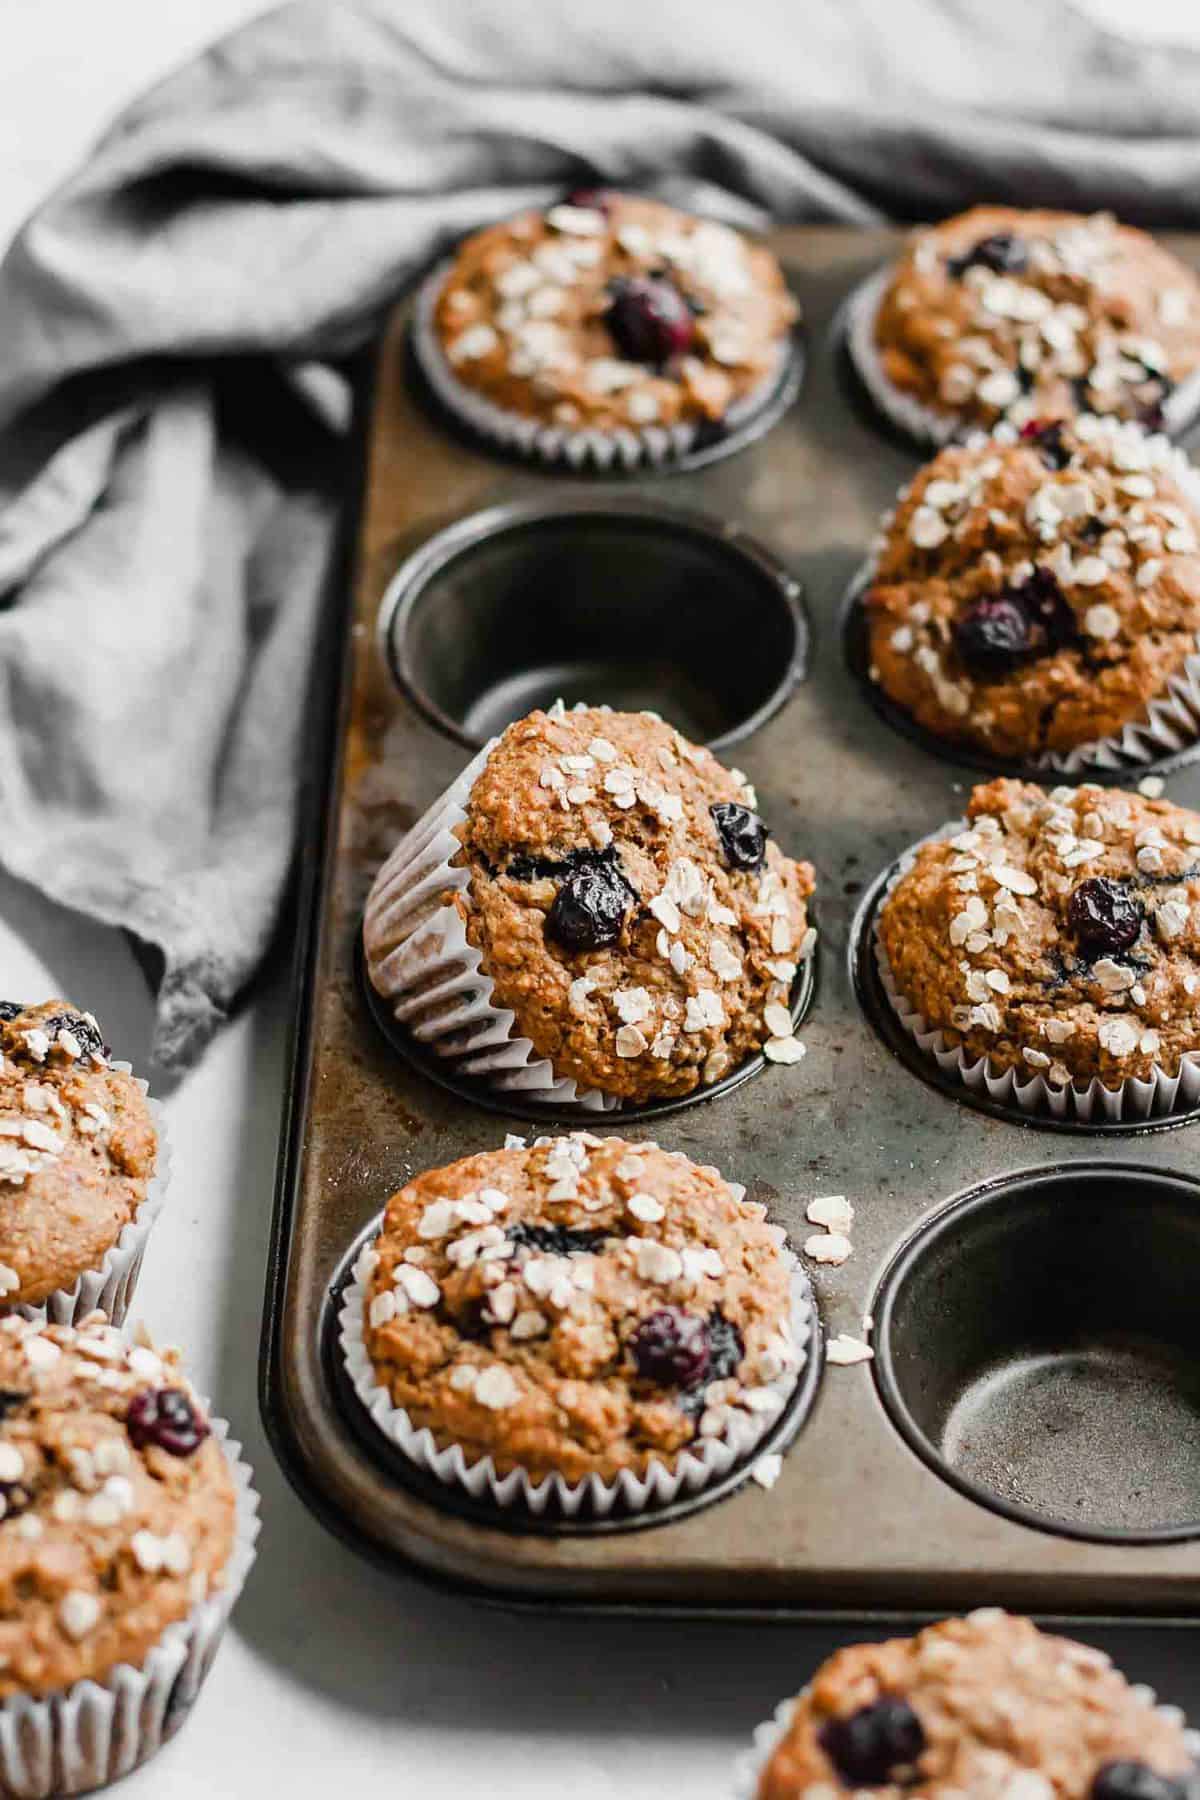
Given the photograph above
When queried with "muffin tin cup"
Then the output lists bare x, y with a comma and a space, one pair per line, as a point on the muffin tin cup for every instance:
1168, 734
1132, 1102
1036, 1347
924, 425
553, 1497
620, 450
94, 1732
110, 1287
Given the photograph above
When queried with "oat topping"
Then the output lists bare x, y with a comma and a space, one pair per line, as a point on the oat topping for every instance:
1003, 314
621, 312
1050, 606
107, 1534
583, 1331
1089, 965
985, 1707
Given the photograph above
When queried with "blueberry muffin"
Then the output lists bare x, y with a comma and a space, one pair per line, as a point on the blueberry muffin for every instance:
1004, 314
609, 313
78, 1150
638, 925
117, 1503
579, 1307
1057, 935
1034, 594
982, 1706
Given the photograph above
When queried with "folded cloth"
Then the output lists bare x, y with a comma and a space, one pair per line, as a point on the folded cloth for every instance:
170, 459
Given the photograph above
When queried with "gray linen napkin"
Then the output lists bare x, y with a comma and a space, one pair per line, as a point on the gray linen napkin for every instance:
169, 468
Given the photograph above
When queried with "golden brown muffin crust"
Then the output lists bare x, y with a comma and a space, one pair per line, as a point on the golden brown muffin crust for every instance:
700, 975
1096, 318
521, 315
1093, 533
1007, 1712
980, 938
77, 1151
103, 1543
504, 1293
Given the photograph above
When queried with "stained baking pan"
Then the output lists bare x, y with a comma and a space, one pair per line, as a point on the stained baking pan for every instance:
1029, 1433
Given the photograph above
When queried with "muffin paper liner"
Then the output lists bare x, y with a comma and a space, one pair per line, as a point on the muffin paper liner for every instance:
1171, 722
605, 451
433, 979
923, 422
94, 1732
110, 1287
553, 1495
751, 1765
1132, 1101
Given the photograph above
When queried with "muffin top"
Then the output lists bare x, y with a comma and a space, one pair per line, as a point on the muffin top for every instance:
579, 1306
987, 1707
116, 1503
628, 903
1004, 314
1035, 594
611, 310
1058, 934
77, 1149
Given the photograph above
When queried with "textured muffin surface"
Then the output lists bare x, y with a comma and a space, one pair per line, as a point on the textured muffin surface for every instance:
624, 312
1037, 594
986, 1707
581, 1306
1000, 313
677, 963
106, 1536
1058, 934
77, 1150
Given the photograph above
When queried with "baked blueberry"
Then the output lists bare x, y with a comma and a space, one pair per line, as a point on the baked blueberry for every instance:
1047, 436
742, 833
167, 1418
554, 1240
1104, 917
1002, 252
592, 199
993, 634
874, 1744
10, 1009
649, 319
725, 1347
590, 906
84, 1031
671, 1347
1134, 1781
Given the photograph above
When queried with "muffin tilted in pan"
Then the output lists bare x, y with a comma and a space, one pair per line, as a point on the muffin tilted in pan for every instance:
981, 1708
83, 1165
127, 1526
1001, 314
577, 1321
593, 911
1050, 946
608, 329
1038, 597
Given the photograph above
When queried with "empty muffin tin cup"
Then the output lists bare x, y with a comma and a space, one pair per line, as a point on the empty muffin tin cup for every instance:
1038, 1345
609, 602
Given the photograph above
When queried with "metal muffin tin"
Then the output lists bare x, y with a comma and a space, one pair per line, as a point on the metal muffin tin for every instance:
1029, 1434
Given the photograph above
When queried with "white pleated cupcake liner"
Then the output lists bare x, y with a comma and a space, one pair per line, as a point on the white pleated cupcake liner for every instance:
433, 978
751, 1765
554, 1496
1131, 1102
110, 1287
602, 450
924, 423
94, 1732
1171, 722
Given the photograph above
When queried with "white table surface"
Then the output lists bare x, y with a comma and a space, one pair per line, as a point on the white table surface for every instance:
331, 1672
